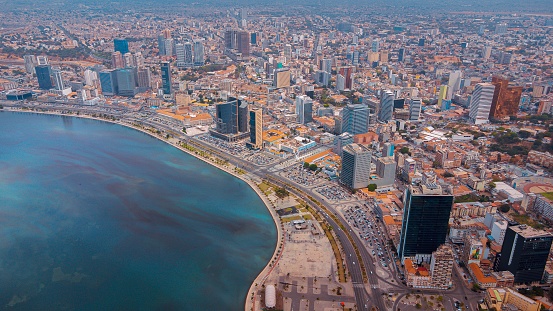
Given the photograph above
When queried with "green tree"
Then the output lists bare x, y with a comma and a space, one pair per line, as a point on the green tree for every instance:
505, 208
371, 187
313, 167
491, 184
405, 150
305, 165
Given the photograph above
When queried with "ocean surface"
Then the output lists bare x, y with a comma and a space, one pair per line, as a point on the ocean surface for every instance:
96, 216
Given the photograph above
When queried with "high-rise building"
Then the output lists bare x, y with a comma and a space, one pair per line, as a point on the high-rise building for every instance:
256, 128
288, 52
441, 266
524, 253
90, 76
375, 45
126, 82
356, 166
388, 149
230, 39
384, 56
386, 108
108, 82
385, 170
281, 78
425, 220
505, 100
117, 60
121, 46
143, 78
169, 47
199, 53
326, 65
44, 76
243, 43
128, 60
454, 83
253, 38
138, 59
501, 28
243, 117
340, 83
161, 45
422, 41
166, 78
340, 141
415, 106
58, 79
442, 94
486, 52
401, 55
42, 60
232, 116
481, 102
304, 109
355, 119
30, 63
347, 73
184, 55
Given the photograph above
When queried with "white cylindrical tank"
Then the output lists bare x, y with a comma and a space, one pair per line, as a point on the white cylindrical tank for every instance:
270, 296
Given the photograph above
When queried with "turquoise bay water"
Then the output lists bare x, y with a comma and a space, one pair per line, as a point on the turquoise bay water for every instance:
96, 216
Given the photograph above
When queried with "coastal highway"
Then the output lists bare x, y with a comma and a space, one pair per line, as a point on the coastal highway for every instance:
362, 298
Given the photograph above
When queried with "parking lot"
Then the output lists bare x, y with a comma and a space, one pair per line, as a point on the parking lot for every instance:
303, 176
369, 230
335, 192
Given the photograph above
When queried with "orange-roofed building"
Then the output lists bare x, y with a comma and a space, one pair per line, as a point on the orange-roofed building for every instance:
479, 277
366, 138
417, 277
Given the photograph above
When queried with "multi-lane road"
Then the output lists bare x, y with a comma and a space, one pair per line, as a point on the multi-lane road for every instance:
367, 297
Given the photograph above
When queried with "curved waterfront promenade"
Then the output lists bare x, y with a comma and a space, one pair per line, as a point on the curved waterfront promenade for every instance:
248, 178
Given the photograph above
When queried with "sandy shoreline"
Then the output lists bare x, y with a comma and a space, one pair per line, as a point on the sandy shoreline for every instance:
276, 219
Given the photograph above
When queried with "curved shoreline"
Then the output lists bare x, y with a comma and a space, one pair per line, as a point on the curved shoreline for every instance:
250, 182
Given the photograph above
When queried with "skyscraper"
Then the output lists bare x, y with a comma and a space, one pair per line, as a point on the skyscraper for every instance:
401, 54
386, 170
121, 46
425, 220
42, 60
481, 102
43, 75
524, 253
128, 60
288, 52
243, 43
506, 99
347, 73
198, 53
231, 117
454, 83
375, 46
356, 166
501, 28
256, 128
126, 82
58, 79
386, 108
355, 119
486, 52
442, 95
30, 63
117, 60
304, 109
166, 78
184, 55
108, 82
340, 141
415, 106
161, 45
143, 78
